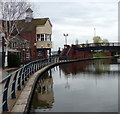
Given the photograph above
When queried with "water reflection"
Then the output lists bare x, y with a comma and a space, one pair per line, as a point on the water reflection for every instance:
97, 67
86, 86
74, 68
44, 96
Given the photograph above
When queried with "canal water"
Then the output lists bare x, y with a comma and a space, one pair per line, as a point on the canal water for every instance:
86, 86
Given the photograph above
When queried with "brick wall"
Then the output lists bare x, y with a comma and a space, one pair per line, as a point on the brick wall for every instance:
31, 36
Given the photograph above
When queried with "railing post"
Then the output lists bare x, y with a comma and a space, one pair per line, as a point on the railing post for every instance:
19, 80
42, 63
35, 66
39, 64
5, 95
28, 71
23, 76
31, 69
13, 86
25, 73
50, 59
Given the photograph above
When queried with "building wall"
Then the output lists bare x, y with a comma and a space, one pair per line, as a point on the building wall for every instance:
73, 54
43, 44
45, 29
31, 36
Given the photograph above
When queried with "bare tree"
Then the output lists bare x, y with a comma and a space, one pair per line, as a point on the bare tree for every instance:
11, 13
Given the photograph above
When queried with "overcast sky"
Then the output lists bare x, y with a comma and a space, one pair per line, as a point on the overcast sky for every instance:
78, 18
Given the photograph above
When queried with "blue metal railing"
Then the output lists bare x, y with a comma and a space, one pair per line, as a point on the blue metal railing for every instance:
16, 80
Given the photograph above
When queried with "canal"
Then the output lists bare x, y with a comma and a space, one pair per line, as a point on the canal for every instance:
86, 86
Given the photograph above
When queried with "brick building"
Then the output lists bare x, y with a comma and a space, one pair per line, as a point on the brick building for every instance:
38, 32
21, 47
34, 32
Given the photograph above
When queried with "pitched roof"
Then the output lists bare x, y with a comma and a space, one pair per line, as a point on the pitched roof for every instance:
29, 9
29, 26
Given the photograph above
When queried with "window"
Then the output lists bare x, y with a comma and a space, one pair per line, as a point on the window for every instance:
42, 37
13, 44
38, 37
40, 53
27, 55
47, 37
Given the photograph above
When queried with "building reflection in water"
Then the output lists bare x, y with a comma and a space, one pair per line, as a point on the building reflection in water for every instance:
96, 67
43, 95
74, 68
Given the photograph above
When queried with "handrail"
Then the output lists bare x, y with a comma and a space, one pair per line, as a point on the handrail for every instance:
98, 44
15, 81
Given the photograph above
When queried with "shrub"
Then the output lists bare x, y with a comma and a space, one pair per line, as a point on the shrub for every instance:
99, 55
13, 60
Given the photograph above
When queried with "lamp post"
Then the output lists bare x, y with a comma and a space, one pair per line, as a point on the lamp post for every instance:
2, 35
65, 38
23, 56
94, 32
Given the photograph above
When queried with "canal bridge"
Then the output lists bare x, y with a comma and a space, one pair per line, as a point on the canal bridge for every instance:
14, 84
87, 50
